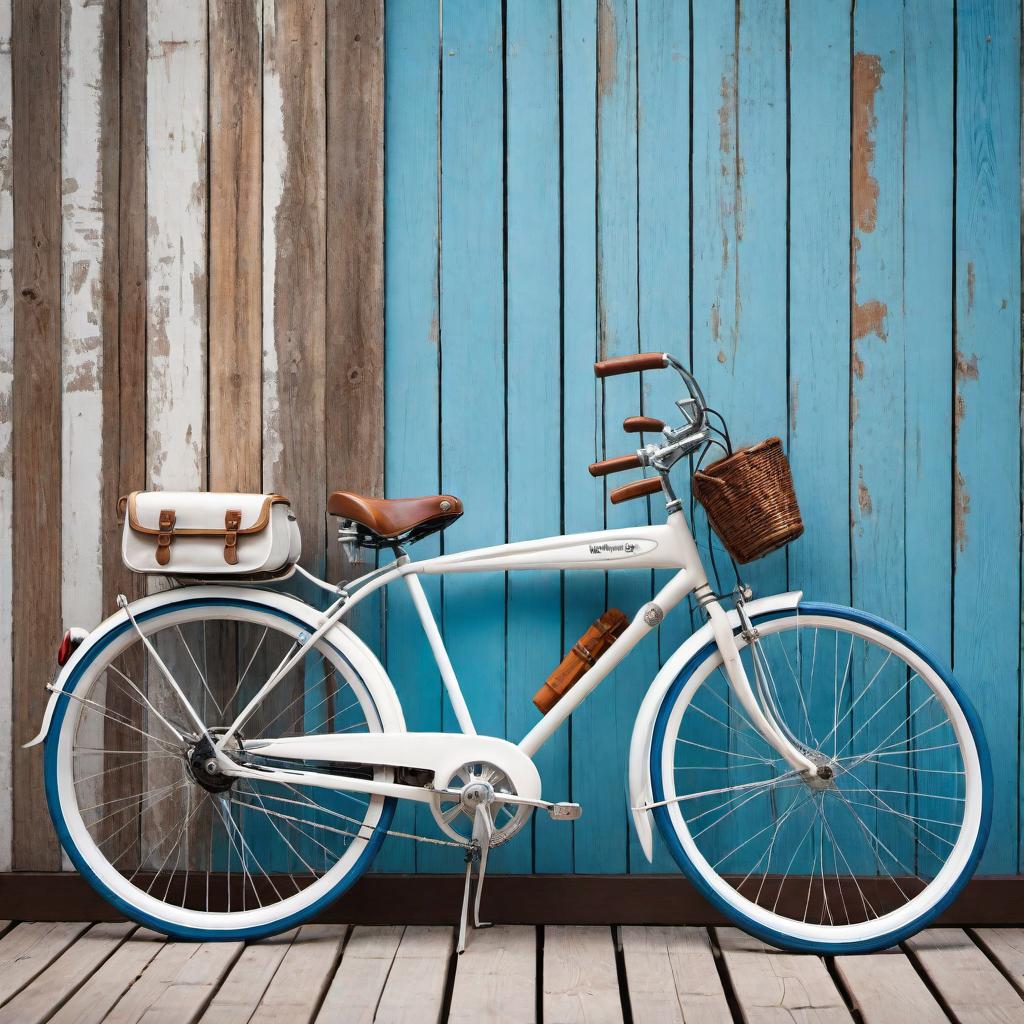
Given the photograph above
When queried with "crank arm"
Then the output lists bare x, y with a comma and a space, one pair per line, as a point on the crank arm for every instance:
562, 811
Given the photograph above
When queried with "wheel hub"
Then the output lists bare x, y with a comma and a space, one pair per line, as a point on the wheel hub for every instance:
201, 761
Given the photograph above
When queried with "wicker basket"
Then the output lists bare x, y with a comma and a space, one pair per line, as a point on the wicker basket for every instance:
750, 500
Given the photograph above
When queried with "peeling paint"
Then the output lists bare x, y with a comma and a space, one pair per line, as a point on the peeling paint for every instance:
961, 511
863, 495
722, 358
794, 401
868, 318
867, 80
607, 72
856, 364
966, 367
727, 90
970, 285
716, 322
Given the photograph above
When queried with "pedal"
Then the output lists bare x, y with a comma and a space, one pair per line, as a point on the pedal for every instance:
565, 811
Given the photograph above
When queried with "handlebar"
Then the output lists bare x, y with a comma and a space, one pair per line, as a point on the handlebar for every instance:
631, 364
615, 465
636, 489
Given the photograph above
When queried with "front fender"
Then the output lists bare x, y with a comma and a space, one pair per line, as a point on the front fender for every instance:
362, 658
643, 728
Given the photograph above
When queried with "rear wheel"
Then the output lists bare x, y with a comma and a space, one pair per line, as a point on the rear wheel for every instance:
172, 843
882, 840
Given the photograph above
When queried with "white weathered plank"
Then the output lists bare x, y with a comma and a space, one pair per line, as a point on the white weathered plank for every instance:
37, 1002
496, 977
414, 992
580, 978
275, 170
177, 984
6, 424
968, 982
240, 994
94, 1000
299, 984
772, 986
1006, 945
359, 980
82, 237
672, 975
887, 990
30, 948
176, 196
82, 311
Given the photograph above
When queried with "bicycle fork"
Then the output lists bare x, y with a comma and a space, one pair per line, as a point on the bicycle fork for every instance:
761, 718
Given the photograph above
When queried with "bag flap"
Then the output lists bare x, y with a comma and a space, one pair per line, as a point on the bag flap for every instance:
200, 513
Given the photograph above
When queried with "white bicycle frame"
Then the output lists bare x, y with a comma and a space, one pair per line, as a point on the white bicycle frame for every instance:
668, 546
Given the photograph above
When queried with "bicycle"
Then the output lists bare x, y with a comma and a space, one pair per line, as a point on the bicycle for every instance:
815, 773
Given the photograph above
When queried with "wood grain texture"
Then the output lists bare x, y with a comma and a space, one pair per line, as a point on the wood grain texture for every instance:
1006, 947
497, 977
294, 248
672, 976
774, 986
177, 984
415, 988
99, 994
300, 981
243, 989
176, 238
580, 982
986, 497
236, 156
412, 380
36, 509
357, 985
534, 414
6, 426
37, 1002
29, 948
354, 416
886, 989
969, 984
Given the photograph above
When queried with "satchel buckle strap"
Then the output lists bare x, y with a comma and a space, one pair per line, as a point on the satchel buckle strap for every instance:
165, 536
232, 521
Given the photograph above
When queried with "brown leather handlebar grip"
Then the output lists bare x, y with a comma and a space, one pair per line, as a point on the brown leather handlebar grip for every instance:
615, 465
637, 489
630, 364
642, 425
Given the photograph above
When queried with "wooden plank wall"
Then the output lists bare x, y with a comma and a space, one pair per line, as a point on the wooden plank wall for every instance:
376, 244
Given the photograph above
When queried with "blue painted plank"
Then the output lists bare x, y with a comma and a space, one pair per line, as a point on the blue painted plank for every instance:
534, 601
582, 495
472, 349
600, 730
877, 470
986, 507
663, 151
411, 368
819, 295
928, 333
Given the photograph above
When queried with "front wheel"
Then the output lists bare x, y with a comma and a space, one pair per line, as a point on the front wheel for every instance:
886, 835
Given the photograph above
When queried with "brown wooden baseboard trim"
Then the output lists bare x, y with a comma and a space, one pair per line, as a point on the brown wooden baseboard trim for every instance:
508, 899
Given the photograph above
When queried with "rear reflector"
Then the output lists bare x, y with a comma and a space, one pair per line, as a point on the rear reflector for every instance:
67, 648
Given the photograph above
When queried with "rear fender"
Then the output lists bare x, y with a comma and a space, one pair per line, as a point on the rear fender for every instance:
359, 655
643, 728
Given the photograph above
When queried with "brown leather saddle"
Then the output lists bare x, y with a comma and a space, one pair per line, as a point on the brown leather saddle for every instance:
385, 522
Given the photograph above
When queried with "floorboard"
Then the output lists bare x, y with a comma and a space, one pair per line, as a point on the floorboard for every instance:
970, 985
580, 977
109, 973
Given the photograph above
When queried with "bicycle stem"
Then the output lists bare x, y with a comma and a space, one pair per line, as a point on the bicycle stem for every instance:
737, 676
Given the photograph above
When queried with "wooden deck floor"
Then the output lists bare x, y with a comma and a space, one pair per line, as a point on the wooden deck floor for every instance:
82, 973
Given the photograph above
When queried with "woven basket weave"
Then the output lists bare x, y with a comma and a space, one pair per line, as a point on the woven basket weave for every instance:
750, 500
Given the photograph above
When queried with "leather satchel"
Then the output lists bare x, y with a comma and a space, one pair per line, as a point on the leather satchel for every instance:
585, 652
209, 534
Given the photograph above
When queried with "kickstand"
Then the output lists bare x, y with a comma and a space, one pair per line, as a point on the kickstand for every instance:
483, 827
